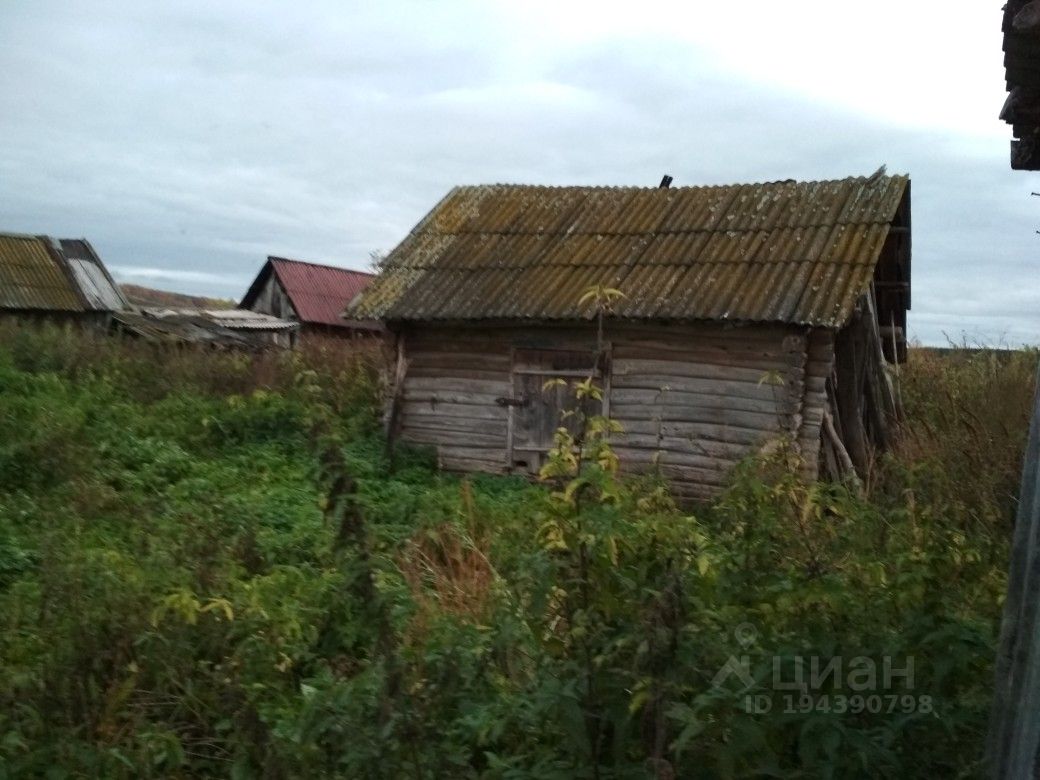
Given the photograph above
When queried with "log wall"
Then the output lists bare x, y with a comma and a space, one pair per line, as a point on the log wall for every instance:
693, 399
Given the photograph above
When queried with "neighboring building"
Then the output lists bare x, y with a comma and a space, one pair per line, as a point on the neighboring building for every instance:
1022, 76
64, 280
751, 313
256, 326
311, 294
227, 328
165, 299
58, 280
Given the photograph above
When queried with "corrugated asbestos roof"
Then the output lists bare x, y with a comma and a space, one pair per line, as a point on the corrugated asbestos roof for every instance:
226, 327
178, 328
243, 319
33, 276
38, 273
779, 252
318, 293
94, 282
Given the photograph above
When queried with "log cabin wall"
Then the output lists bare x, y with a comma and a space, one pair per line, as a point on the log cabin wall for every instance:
693, 398
865, 400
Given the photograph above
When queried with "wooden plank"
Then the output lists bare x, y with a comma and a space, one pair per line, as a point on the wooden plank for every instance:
674, 389
426, 361
710, 428
760, 359
703, 433
456, 373
569, 337
666, 404
821, 346
633, 369
457, 438
449, 397
816, 384
677, 390
693, 445
496, 387
773, 344
565, 362
427, 358
393, 412
457, 424
582, 336
745, 333
727, 418
511, 420
550, 373
1014, 733
489, 411
651, 401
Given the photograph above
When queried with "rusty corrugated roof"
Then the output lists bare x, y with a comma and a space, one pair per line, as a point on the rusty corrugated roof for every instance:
779, 252
32, 276
317, 292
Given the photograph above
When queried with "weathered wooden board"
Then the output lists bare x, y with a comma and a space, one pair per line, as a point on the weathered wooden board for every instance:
459, 424
457, 384
732, 452
435, 397
741, 439
444, 408
436, 372
731, 418
693, 399
634, 368
478, 361
651, 403
1014, 732
677, 386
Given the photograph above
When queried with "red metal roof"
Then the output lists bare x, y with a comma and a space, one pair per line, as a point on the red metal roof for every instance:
319, 293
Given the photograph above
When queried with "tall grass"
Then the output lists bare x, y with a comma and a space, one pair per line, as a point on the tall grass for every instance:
967, 420
178, 597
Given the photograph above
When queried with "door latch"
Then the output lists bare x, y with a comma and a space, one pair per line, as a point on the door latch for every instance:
521, 401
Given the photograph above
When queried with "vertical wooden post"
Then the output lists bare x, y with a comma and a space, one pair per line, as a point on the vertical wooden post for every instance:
396, 395
511, 411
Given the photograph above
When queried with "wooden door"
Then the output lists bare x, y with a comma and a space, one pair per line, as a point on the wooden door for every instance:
537, 410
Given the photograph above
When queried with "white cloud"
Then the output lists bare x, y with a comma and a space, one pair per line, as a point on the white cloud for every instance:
193, 139
125, 273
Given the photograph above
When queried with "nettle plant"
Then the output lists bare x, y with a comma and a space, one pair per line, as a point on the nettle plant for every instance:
621, 556
572, 454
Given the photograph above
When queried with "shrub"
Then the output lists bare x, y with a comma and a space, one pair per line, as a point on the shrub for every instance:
207, 568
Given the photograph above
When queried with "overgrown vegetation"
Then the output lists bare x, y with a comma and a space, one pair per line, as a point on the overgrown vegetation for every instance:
207, 568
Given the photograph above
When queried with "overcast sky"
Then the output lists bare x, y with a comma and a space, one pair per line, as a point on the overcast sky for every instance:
190, 140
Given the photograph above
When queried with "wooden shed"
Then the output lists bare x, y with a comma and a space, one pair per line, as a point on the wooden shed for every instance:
310, 294
55, 280
751, 313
